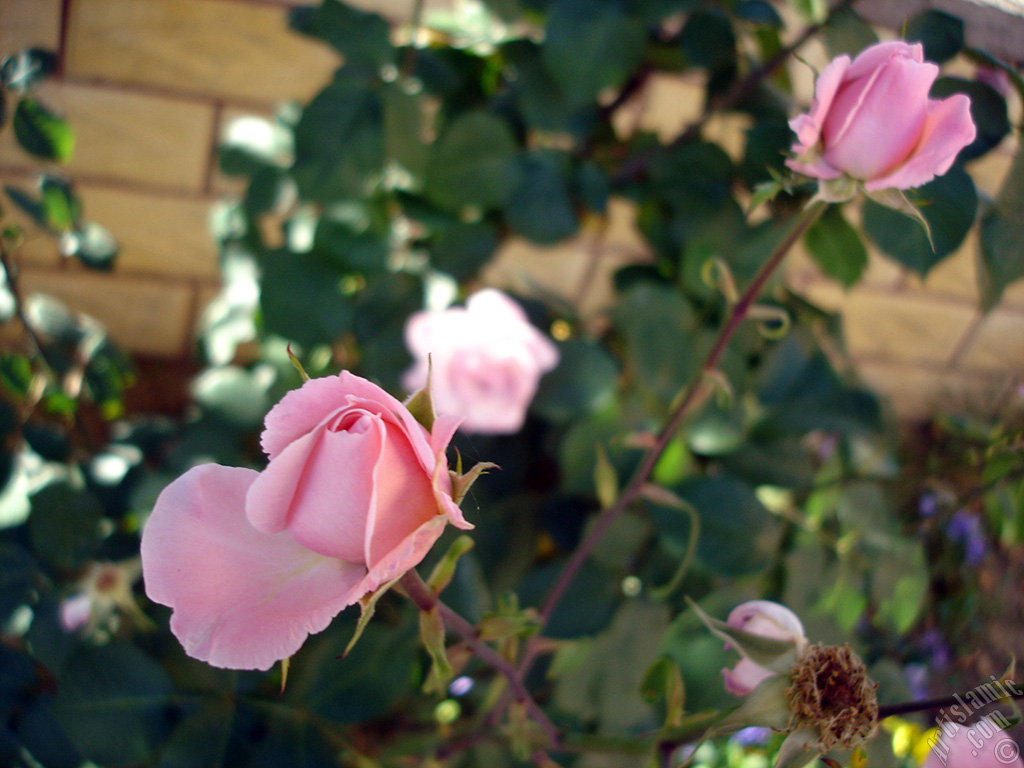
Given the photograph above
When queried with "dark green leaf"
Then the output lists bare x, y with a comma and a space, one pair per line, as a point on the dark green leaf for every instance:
709, 41
836, 247
949, 203
539, 207
593, 186
738, 536
362, 38
65, 525
353, 251
760, 12
846, 32
34, 208
583, 382
590, 45
472, 163
652, 321
264, 190
463, 248
301, 299
539, 96
403, 130
988, 110
1001, 259
339, 140
15, 373
201, 739
113, 689
588, 605
41, 132
19, 578
941, 34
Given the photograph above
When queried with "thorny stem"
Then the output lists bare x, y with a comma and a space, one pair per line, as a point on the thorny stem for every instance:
694, 395
426, 600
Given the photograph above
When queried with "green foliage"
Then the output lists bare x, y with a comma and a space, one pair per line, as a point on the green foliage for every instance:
393, 188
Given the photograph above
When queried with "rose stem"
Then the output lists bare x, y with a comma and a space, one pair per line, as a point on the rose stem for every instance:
693, 397
426, 600
925, 705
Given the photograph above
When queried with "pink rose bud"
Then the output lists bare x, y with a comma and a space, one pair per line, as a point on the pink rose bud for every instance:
486, 360
872, 120
982, 744
355, 493
768, 619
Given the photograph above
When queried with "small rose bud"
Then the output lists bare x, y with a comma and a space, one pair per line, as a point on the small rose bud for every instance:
767, 619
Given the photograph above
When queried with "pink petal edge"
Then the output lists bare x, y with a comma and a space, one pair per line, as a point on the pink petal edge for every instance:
241, 599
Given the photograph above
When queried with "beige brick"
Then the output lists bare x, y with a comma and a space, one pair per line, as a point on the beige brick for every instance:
148, 316
989, 170
29, 24
904, 327
153, 140
159, 234
956, 275
921, 391
215, 47
998, 343
666, 106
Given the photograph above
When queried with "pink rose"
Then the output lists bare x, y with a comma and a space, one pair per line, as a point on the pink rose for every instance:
768, 619
355, 493
872, 120
486, 360
980, 745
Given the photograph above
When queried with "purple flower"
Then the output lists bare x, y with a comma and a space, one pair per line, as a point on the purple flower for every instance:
965, 528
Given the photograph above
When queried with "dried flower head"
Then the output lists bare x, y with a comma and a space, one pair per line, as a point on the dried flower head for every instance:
832, 694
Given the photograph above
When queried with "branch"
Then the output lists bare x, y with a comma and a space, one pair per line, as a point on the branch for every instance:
426, 600
926, 705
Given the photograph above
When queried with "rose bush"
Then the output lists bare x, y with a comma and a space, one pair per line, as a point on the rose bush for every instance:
872, 120
355, 493
486, 361
768, 619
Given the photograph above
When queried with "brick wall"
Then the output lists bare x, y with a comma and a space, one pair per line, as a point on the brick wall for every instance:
149, 84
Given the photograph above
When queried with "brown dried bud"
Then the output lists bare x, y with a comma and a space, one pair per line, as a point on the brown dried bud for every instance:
832, 694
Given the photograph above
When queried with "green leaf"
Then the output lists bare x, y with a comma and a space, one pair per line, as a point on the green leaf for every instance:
836, 247
403, 130
114, 689
709, 42
34, 208
339, 140
1001, 258
19, 578
590, 45
301, 299
941, 34
846, 32
583, 382
61, 205
462, 249
606, 481
652, 319
738, 535
41, 132
351, 250
432, 636
65, 525
988, 110
539, 206
471, 164
769, 652
899, 586
949, 204
362, 38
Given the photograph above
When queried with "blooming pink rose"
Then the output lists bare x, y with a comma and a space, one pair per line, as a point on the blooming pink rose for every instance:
980, 745
872, 120
768, 619
354, 495
485, 359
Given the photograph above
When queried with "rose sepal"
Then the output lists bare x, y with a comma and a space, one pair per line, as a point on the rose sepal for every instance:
768, 652
898, 201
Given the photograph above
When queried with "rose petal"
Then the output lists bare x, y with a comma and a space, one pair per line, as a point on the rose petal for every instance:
769, 619
744, 677
241, 599
404, 497
875, 56
808, 127
948, 128
407, 554
876, 121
